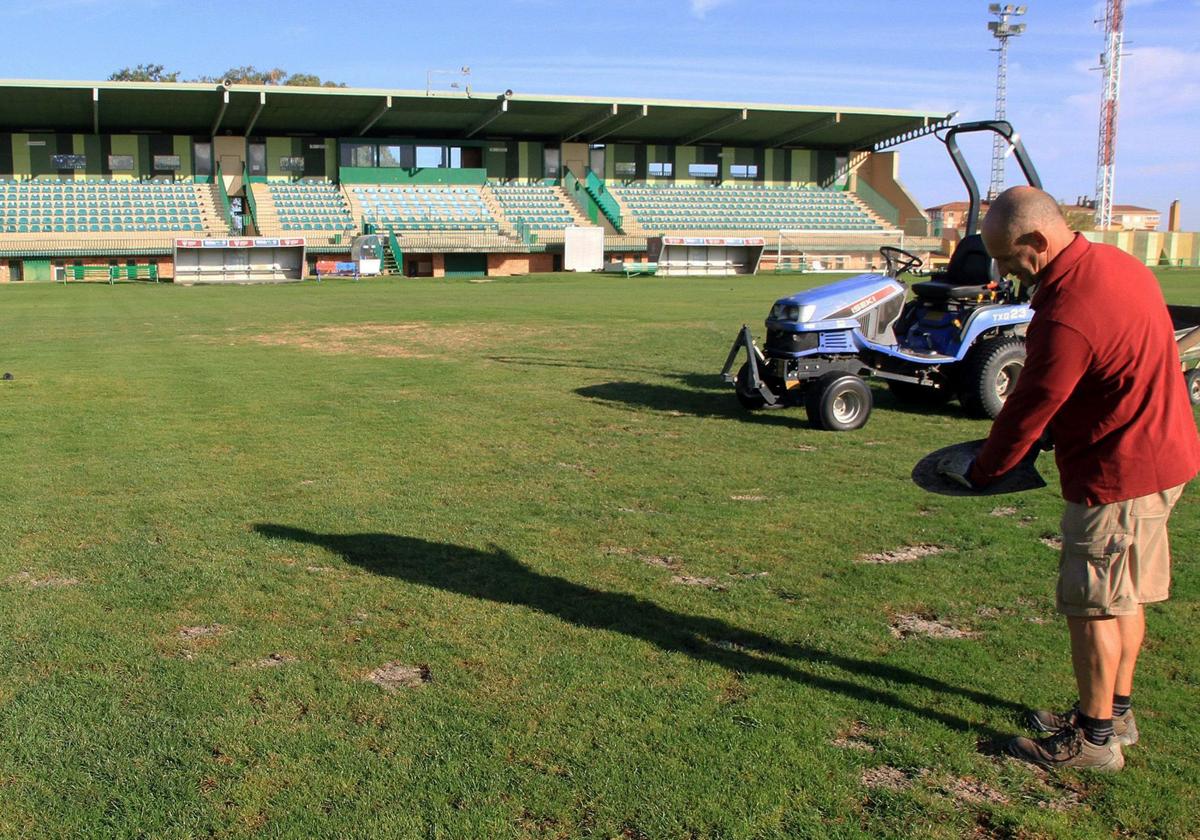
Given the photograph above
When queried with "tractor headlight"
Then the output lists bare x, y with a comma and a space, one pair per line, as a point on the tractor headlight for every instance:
791, 312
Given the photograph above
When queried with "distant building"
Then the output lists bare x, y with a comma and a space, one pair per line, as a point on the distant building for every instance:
1131, 217
953, 216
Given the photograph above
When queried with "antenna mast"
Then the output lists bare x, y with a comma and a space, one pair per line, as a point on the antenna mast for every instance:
1110, 66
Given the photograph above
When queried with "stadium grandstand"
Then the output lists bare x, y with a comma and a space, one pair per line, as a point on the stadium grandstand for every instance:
100, 176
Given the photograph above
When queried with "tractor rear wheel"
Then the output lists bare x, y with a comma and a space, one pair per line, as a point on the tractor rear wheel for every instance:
991, 373
1192, 378
839, 402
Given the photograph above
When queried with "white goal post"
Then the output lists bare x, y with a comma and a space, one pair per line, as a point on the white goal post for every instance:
833, 250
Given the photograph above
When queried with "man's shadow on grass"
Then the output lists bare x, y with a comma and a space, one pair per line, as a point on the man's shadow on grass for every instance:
499, 577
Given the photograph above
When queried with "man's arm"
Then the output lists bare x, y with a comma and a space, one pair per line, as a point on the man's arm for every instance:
1058, 356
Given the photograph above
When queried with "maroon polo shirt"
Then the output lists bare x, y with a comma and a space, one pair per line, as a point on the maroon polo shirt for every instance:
1103, 374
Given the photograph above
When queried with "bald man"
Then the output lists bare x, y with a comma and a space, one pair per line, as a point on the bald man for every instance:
1102, 375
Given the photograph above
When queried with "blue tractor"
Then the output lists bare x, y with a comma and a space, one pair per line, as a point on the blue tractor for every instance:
960, 334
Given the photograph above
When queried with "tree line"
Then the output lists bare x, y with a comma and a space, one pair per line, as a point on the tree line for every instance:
246, 75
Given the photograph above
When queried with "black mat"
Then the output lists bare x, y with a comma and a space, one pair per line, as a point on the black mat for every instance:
1024, 476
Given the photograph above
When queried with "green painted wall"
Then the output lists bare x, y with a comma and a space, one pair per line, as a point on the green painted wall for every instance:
532, 161
93, 147
775, 167
804, 166
388, 175
685, 156
279, 147
126, 144
183, 147
826, 165
728, 159
20, 155
493, 162
331, 159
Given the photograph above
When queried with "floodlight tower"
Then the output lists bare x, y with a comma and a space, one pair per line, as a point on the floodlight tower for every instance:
1110, 66
1002, 30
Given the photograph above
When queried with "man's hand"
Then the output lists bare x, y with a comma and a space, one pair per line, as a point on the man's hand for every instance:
956, 466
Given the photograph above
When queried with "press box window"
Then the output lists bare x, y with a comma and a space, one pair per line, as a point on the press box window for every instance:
704, 170
552, 161
625, 170
744, 171
430, 157
391, 156
358, 154
256, 159
661, 170
202, 158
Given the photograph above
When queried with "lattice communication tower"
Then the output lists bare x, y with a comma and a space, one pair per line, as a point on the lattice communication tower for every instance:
1110, 66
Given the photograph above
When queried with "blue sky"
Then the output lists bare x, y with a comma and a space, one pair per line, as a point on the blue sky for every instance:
865, 53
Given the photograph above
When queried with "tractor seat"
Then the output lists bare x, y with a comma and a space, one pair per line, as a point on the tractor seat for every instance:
935, 290
967, 277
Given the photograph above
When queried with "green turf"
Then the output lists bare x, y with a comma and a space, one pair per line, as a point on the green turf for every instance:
502, 482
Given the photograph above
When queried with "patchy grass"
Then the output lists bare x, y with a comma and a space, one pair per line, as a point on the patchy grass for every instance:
599, 596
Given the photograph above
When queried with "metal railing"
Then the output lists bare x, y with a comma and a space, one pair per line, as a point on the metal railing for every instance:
604, 200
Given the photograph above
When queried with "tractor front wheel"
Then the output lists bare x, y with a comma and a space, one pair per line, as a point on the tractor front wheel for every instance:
992, 369
839, 402
749, 397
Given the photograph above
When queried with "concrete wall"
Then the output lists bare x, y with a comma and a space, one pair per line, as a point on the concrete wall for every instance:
575, 158
882, 172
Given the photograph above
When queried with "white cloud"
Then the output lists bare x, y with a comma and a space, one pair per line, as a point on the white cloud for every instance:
700, 8
1160, 80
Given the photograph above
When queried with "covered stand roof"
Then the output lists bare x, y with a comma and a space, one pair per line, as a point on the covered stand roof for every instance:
192, 108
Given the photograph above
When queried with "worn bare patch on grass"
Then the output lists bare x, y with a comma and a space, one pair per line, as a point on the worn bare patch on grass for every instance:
748, 575
1004, 511
661, 561
692, 580
852, 738
416, 340
886, 777
970, 791
911, 624
201, 631
906, 554
394, 676
43, 581
1051, 541
749, 498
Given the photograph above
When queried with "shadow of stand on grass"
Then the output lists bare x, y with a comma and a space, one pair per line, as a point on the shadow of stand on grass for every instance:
499, 577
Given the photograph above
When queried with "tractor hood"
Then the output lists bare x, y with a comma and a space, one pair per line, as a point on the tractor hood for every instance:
843, 299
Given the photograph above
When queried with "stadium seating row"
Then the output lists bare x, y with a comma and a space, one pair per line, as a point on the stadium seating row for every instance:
741, 208
308, 206
99, 206
539, 207
410, 208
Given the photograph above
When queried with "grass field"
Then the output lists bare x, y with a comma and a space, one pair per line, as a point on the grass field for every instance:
613, 604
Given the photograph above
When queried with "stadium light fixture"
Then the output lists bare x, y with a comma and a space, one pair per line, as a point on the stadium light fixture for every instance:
1002, 29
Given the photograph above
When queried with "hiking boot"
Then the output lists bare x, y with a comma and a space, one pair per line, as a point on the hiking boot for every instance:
1044, 720
1069, 748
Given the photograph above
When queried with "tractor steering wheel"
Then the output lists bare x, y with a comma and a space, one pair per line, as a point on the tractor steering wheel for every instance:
897, 260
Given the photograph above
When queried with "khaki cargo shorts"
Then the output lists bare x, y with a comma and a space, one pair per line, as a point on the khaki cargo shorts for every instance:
1115, 557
